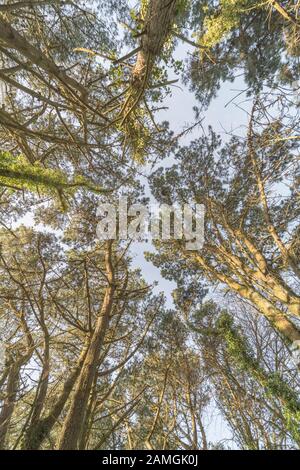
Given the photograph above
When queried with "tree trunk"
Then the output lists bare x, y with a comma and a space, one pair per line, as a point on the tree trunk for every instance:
157, 25
9, 401
72, 426
158, 22
41, 429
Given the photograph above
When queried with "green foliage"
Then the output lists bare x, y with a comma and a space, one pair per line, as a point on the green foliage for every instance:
244, 37
17, 174
217, 26
240, 353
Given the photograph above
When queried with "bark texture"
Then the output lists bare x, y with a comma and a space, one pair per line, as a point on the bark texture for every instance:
159, 18
73, 423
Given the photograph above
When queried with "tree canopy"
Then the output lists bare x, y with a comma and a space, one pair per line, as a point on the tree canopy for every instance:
93, 355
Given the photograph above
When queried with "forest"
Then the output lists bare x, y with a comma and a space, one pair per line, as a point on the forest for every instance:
119, 343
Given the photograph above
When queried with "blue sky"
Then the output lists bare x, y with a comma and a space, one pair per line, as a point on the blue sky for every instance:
223, 114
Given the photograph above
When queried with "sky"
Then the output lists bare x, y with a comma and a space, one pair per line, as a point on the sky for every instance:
225, 114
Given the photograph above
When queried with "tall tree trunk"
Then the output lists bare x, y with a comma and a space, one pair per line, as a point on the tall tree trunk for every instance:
158, 22
9, 401
41, 393
267, 307
276, 317
42, 428
13, 380
72, 426
157, 25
